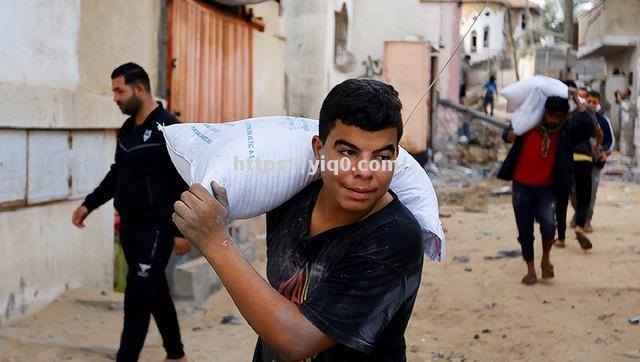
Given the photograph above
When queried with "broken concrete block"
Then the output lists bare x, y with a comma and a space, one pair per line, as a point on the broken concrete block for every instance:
195, 280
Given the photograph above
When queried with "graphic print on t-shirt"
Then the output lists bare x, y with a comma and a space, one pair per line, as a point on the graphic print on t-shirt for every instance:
295, 289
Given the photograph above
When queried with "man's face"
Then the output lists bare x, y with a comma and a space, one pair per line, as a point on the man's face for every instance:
582, 93
125, 96
592, 103
360, 186
554, 118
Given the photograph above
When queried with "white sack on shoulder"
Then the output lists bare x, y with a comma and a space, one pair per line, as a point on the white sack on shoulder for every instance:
262, 162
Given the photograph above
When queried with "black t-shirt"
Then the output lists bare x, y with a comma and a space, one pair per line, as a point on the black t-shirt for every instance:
356, 283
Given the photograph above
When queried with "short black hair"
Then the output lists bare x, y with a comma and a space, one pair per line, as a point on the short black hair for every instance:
555, 104
594, 94
492, 78
365, 103
467, 57
133, 74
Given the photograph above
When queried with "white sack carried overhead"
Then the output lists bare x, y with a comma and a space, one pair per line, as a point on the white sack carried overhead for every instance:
517, 93
527, 97
529, 114
262, 162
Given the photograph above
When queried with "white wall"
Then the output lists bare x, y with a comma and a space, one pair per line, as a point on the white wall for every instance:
43, 255
495, 20
518, 31
58, 134
442, 21
367, 40
36, 59
310, 32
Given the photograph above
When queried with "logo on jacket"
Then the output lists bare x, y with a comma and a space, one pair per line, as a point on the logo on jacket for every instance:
143, 270
147, 135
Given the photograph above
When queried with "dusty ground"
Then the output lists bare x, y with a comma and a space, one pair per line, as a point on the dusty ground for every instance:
476, 310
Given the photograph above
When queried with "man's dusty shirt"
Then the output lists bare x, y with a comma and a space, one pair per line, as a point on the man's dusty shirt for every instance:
356, 283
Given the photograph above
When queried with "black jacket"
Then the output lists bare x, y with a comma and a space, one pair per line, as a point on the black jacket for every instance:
562, 168
582, 129
142, 181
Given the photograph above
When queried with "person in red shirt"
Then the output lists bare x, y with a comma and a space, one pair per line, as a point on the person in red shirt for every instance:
539, 164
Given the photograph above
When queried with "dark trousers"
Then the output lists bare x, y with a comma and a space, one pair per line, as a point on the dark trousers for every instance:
488, 102
582, 174
595, 182
530, 204
147, 248
562, 204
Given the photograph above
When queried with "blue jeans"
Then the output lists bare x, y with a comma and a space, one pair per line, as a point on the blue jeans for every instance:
530, 204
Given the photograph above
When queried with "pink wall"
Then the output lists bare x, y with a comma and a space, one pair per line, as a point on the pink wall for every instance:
406, 66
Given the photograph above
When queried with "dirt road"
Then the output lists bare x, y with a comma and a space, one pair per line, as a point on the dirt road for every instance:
476, 310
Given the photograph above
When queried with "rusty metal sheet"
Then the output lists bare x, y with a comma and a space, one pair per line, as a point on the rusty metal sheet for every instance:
210, 63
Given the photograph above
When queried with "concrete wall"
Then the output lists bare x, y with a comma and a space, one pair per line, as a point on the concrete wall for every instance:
615, 83
269, 62
58, 129
43, 256
533, 22
310, 31
626, 62
305, 55
57, 57
443, 22
611, 18
527, 65
493, 17
368, 41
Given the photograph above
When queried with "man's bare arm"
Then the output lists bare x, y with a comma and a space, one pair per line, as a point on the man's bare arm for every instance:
202, 218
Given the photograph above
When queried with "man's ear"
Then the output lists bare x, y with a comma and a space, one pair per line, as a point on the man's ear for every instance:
317, 145
139, 88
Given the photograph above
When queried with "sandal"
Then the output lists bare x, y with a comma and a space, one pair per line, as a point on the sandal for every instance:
559, 243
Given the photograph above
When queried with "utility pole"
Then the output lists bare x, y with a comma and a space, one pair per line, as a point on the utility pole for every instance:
568, 33
512, 43
527, 32
568, 21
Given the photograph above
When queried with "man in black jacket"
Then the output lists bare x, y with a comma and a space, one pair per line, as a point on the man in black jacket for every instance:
144, 185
